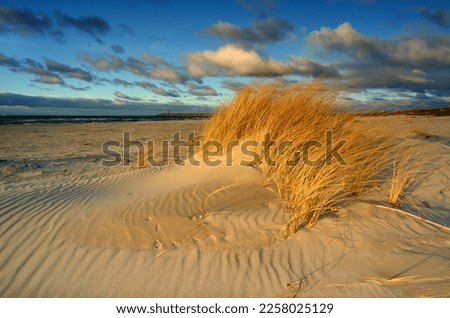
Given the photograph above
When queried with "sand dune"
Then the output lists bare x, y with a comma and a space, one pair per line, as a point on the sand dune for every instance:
211, 231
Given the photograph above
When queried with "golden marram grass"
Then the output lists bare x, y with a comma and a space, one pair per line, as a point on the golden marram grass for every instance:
309, 178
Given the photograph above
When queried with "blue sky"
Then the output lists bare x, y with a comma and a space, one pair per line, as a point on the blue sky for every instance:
143, 57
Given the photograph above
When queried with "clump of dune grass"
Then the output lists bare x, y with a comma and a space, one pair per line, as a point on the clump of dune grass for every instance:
318, 183
406, 171
309, 177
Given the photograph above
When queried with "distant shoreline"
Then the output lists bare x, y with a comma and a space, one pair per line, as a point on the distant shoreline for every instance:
442, 111
55, 119
184, 115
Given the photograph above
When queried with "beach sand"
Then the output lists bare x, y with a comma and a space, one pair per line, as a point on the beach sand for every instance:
70, 227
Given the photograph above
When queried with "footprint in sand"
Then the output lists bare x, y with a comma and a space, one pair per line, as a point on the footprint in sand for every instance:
157, 245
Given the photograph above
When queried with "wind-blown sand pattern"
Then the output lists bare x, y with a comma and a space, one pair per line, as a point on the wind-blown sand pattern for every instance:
72, 228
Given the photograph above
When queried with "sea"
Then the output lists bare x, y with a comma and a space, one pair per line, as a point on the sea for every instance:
4, 120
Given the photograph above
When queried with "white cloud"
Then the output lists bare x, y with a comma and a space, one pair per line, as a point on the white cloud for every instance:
154, 59
201, 90
119, 102
121, 95
231, 85
412, 79
163, 92
106, 63
313, 68
167, 74
430, 51
150, 66
417, 63
261, 32
232, 60
346, 38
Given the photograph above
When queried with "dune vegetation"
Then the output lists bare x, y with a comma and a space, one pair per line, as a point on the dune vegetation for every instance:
407, 171
320, 156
